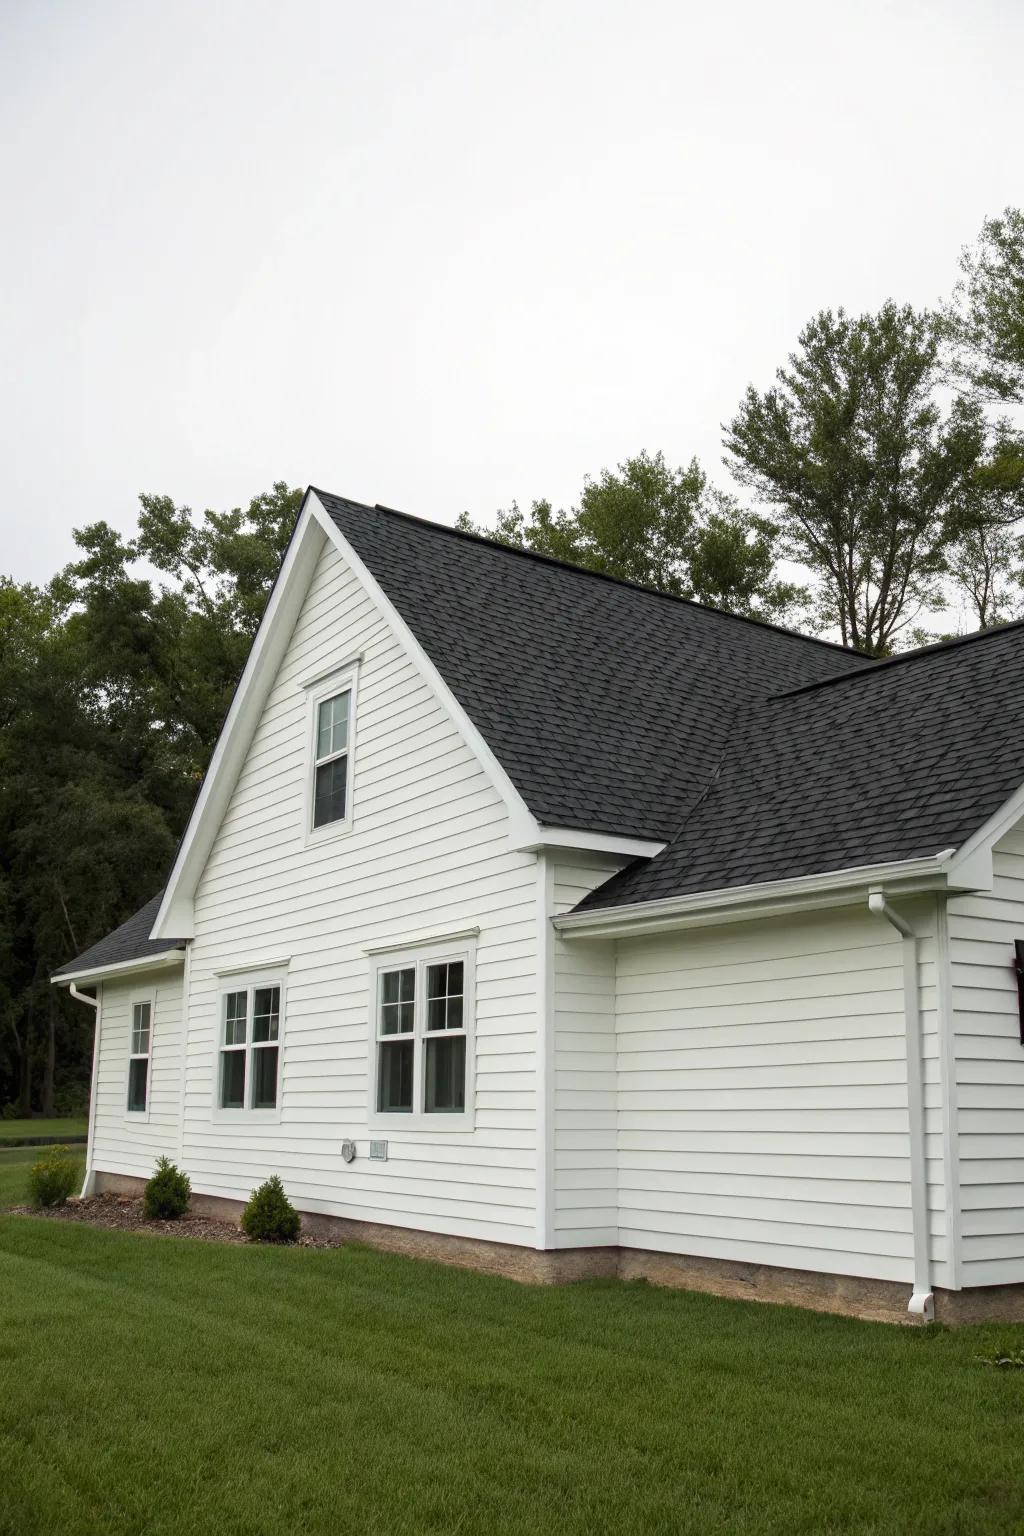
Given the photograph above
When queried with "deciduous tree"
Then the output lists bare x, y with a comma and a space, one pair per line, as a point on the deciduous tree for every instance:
665, 528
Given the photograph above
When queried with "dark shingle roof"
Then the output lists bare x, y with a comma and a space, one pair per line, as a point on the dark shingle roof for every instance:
129, 942
899, 762
606, 704
759, 753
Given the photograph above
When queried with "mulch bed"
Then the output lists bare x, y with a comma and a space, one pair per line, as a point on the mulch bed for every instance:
123, 1213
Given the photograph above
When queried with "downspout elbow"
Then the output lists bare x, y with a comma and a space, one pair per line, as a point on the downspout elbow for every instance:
878, 904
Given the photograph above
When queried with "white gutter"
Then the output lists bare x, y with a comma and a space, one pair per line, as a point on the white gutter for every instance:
922, 1302
734, 903
119, 968
94, 1003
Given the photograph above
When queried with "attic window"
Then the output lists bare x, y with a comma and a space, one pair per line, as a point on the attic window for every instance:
332, 718
331, 763
138, 1060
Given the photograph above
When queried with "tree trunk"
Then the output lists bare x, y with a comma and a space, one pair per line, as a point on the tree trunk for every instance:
23, 1046
51, 1056
25, 1087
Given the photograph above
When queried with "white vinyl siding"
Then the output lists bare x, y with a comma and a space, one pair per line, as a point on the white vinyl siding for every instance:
127, 1142
990, 1071
425, 856
762, 1096
586, 1117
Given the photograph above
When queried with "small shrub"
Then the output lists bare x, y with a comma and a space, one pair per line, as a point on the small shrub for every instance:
10, 1112
270, 1216
167, 1194
53, 1178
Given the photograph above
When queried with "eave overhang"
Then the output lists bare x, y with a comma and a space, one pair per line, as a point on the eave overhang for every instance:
122, 968
770, 898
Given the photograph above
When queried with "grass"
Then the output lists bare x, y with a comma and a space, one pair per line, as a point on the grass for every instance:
15, 1163
19, 1130
164, 1385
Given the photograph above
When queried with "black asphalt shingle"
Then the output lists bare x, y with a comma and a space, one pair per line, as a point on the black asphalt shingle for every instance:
606, 704
757, 754
902, 761
129, 942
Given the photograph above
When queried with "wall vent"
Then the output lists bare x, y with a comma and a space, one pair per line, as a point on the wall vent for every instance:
379, 1151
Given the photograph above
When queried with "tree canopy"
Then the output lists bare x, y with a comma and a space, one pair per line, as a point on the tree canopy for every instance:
986, 316
665, 528
870, 477
113, 687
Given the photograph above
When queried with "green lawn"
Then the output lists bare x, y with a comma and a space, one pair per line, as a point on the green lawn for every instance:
15, 1163
19, 1130
161, 1385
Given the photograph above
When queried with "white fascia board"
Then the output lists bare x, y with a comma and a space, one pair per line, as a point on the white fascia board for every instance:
591, 842
122, 968
175, 917
971, 865
841, 887
522, 825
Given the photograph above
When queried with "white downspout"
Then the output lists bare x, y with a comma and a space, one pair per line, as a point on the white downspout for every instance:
94, 1003
922, 1302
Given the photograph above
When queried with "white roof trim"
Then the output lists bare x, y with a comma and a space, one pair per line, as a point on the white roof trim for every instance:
971, 864
523, 824
737, 903
122, 967
175, 917
591, 842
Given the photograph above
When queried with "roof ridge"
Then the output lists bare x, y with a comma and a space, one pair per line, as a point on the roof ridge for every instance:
954, 642
582, 570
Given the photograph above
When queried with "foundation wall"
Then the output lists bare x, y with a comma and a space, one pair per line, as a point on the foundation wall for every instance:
851, 1296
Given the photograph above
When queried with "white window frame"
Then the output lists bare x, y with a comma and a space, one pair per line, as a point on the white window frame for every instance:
419, 958
344, 680
249, 982
138, 1000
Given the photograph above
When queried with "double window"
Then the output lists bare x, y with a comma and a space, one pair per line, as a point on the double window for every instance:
422, 1038
139, 1057
249, 1072
332, 710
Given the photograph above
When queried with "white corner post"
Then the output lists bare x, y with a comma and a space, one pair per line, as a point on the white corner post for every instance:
94, 1004
922, 1301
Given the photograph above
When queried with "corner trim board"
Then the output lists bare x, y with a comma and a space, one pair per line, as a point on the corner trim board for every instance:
546, 1054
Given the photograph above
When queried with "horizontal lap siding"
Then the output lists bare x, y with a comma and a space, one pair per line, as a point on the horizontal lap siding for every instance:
124, 1143
990, 1071
585, 1169
762, 1095
426, 855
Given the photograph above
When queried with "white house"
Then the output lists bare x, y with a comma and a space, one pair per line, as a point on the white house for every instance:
536, 921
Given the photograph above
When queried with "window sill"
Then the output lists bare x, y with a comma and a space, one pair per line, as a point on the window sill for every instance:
325, 834
243, 1117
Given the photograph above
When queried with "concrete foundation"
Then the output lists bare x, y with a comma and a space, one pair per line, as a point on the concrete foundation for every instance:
853, 1296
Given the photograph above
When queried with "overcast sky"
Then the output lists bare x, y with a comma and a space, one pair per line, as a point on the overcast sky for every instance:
444, 255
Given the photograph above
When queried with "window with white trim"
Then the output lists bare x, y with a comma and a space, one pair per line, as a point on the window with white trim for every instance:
331, 788
249, 1070
139, 1057
423, 1037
